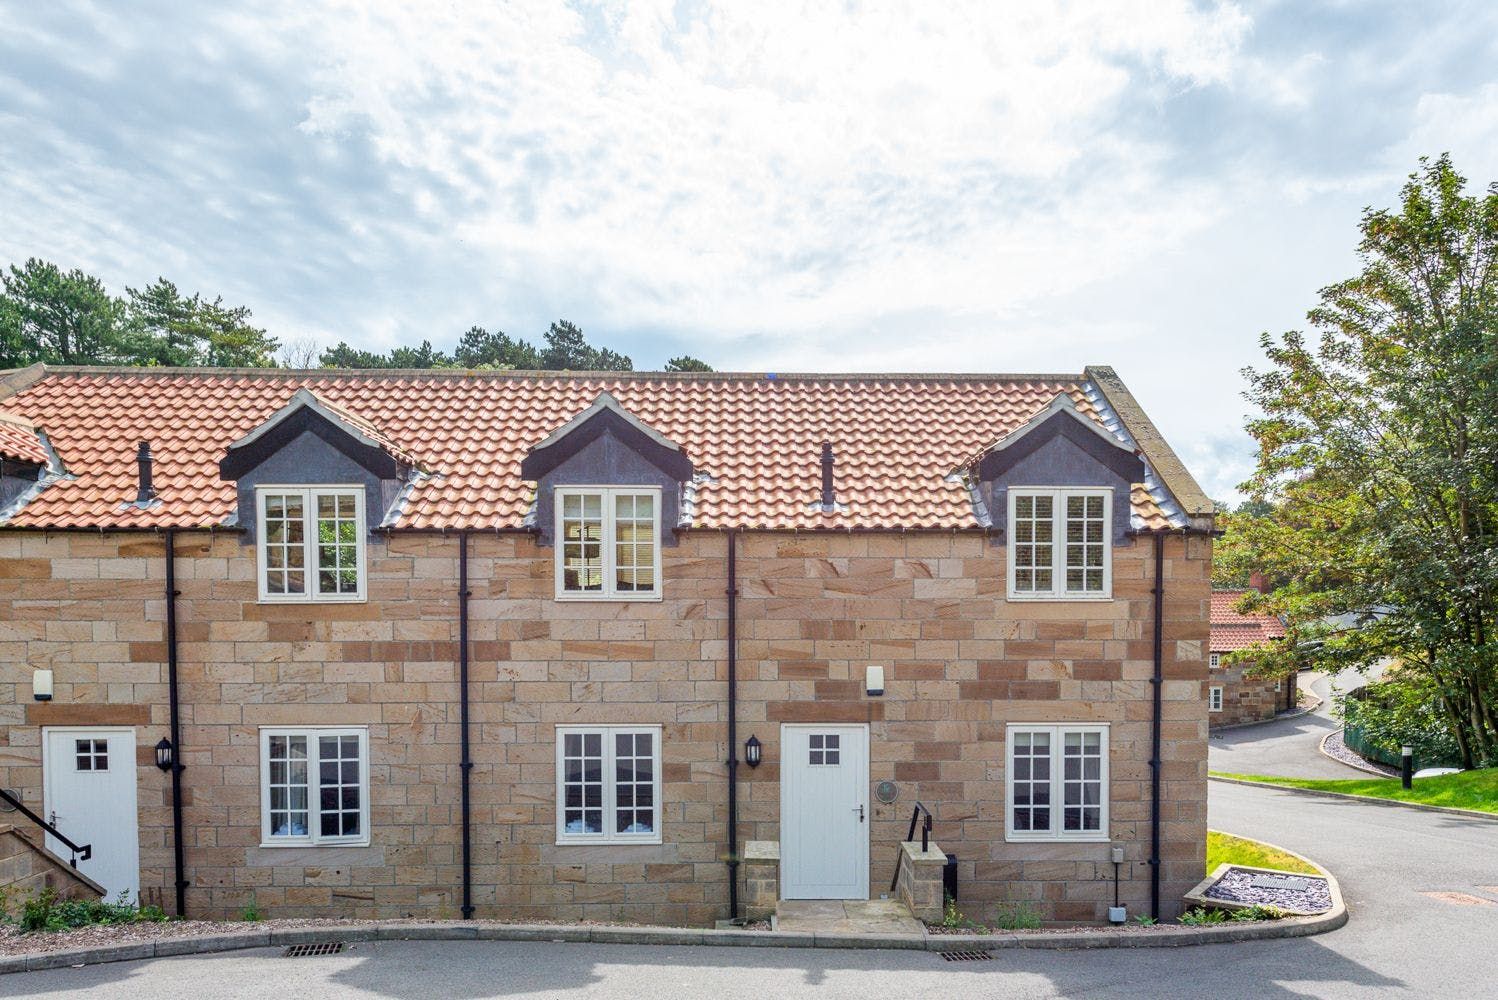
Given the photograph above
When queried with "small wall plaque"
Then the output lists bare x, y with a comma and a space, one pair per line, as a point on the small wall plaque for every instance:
886, 792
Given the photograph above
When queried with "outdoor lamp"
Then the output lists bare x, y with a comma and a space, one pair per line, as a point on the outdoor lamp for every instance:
753, 750
164, 754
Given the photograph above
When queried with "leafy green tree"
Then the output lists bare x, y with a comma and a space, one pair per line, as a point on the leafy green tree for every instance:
1379, 455
478, 348
568, 350
169, 328
422, 356
687, 363
343, 356
60, 318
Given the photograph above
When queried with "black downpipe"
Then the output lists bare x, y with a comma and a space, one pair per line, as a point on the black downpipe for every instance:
466, 766
176, 715
733, 732
1155, 747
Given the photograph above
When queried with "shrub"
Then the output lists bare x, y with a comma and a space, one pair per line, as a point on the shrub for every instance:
1260, 911
251, 913
1403, 711
1018, 916
46, 912
1201, 916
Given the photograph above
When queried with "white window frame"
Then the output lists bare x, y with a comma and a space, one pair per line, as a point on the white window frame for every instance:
610, 799
310, 495
1214, 661
1059, 496
314, 837
1057, 732
609, 591
1214, 698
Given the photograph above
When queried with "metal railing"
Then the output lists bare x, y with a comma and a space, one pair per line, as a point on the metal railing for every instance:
915, 816
81, 852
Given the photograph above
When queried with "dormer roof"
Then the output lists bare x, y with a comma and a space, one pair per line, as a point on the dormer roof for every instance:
365, 440
606, 416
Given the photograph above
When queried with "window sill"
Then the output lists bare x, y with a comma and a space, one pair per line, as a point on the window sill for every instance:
602, 840
298, 599
609, 599
1059, 598
1022, 838
302, 842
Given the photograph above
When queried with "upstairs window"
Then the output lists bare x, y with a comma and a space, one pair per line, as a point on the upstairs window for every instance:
1214, 660
1059, 544
311, 541
608, 543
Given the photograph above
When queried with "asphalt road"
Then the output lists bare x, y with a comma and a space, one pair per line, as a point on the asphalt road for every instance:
1288, 748
1399, 942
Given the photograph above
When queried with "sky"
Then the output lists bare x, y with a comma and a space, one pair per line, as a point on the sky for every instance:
770, 186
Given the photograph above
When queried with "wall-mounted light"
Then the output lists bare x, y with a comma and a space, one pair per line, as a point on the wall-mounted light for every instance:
873, 680
41, 685
753, 751
164, 754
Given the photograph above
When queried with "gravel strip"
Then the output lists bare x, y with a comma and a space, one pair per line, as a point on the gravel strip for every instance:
1236, 886
13, 942
1334, 748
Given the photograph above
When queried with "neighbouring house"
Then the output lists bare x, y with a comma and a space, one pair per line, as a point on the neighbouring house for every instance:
1236, 694
646, 647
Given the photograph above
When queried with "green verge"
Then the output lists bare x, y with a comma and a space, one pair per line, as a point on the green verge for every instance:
1468, 790
1225, 849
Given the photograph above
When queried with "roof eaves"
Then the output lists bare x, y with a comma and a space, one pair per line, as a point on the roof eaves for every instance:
1166, 470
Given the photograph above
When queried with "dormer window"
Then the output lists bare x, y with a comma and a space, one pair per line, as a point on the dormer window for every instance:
1060, 544
608, 543
311, 543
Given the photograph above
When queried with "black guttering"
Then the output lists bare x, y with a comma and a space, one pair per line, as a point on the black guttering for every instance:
1158, 683
465, 766
732, 858
170, 537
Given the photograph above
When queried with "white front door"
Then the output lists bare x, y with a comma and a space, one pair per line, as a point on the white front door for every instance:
824, 805
88, 777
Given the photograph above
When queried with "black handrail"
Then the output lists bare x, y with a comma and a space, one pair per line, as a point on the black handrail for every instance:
915, 814
80, 853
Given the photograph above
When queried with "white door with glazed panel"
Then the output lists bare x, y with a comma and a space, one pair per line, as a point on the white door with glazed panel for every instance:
824, 812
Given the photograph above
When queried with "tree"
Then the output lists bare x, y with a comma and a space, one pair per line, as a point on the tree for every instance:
1379, 455
166, 327
478, 348
342, 355
567, 350
687, 363
60, 318
301, 352
423, 356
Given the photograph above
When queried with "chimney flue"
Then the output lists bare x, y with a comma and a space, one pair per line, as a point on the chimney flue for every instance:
1257, 581
829, 496
147, 492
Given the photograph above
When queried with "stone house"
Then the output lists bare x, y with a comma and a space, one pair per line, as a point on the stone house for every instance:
1236, 694
542, 645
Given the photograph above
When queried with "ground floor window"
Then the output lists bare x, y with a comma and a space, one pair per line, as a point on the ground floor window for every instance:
1057, 782
1214, 699
314, 786
608, 784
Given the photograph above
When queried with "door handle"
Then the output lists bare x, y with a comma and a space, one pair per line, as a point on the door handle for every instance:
859, 807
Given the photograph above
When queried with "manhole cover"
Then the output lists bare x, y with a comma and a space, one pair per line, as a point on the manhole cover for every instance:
966, 956
313, 950
1279, 882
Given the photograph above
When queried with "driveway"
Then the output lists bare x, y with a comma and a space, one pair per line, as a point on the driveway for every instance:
1399, 942
1288, 748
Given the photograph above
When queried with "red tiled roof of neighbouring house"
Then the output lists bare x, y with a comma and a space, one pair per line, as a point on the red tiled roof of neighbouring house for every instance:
1232, 630
19, 441
756, 438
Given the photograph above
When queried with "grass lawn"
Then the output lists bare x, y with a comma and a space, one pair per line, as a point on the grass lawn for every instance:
1467, 790
1224, 849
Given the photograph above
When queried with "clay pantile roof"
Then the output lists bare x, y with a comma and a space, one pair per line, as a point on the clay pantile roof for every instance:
1231, 630
18, 440
756, 439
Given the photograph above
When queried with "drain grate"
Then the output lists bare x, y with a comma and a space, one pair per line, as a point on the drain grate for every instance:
312, 950
966, 956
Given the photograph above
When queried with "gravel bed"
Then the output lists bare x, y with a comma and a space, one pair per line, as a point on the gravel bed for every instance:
939, 930
1340, 751
13, 942
1236, 886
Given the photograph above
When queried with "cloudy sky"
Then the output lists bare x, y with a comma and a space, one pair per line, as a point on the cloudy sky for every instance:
769, 186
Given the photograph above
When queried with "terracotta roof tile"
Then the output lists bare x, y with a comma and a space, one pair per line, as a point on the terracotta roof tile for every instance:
1232, 630
18, 440
896, 438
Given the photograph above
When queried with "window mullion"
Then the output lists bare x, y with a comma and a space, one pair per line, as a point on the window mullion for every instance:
610, 794
314, 787
1058, 543
309, 544
606, 557
1058, 782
